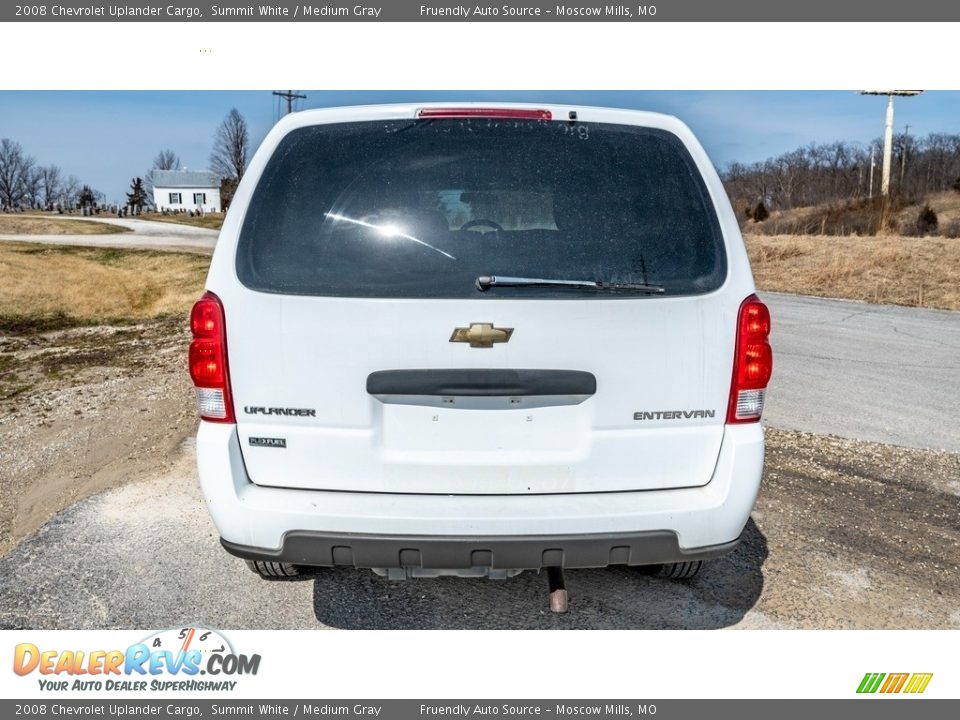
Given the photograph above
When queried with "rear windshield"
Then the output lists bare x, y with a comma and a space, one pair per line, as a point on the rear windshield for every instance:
421, 209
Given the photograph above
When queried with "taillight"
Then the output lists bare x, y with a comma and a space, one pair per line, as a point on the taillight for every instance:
752, 362
482, 112
208, 360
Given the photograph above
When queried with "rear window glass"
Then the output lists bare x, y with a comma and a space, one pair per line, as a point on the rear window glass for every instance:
421, 209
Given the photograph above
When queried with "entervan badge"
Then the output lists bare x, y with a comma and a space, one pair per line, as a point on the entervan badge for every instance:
481, 335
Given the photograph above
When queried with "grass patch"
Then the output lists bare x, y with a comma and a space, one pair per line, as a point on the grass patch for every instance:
19, 324
103, 356
11, 384
914, 271
28, 225
211, 221
8, 391
48, 288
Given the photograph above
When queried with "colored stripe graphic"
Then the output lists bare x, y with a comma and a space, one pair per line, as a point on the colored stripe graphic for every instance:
894, 683
870, 683
918, 682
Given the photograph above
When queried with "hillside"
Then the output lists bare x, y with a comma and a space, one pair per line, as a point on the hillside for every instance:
861, 217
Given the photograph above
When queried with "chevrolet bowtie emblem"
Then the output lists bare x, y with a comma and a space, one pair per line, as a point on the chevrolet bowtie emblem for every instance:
481, 335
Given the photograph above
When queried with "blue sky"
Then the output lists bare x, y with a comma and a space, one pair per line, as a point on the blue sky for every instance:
106, 138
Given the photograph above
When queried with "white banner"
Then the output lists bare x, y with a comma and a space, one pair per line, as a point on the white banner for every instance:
465, 664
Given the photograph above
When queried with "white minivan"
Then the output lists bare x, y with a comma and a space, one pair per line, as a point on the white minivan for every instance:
477, 340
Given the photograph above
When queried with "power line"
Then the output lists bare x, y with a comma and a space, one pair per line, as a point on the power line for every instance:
290, 96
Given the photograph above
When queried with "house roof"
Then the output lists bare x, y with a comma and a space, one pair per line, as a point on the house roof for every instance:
184, 179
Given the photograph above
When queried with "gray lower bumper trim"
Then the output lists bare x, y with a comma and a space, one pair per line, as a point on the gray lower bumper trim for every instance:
528, 552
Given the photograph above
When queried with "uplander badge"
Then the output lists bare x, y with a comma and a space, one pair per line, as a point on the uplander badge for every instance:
296, 412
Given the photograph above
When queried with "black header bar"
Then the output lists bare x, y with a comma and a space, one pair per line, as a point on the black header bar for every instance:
853, 11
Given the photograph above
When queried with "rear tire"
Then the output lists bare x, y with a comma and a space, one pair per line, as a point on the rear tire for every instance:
680, 570
273, 570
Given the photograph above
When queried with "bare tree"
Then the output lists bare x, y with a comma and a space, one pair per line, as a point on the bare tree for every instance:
16, 174
166, 160
231, 147
33, 188
51, 184
70, 192
839, 172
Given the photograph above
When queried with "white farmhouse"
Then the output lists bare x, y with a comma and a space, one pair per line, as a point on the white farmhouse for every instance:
183, 190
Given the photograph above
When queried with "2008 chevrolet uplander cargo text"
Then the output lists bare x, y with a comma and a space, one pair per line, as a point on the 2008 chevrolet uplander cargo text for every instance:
477, 340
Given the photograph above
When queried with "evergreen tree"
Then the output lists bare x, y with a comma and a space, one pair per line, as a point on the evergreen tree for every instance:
927, 220
137, 197
760, 212
87, 197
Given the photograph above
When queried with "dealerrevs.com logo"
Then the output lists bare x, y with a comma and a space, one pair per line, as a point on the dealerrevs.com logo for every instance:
169, 660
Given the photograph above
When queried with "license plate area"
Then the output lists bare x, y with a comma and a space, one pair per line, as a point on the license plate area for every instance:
486, 431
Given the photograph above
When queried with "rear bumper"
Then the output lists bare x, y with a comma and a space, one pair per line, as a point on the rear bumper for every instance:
529, 552
457, 531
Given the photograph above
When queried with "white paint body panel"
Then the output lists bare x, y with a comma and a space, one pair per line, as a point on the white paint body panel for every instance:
255, 516
569, 468
317, 353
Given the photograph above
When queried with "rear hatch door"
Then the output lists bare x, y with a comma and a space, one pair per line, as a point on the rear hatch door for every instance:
364, 357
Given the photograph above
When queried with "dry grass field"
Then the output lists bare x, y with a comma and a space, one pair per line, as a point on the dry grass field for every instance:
212, 221
53, 225
51, 287
915, 271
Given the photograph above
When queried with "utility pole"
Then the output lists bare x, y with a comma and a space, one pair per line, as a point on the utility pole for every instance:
888, 133
887, 148
873, 164
290, 97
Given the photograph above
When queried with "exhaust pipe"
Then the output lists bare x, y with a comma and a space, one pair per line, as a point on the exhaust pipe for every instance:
559, 600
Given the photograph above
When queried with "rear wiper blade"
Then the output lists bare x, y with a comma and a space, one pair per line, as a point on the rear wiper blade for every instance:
485, 282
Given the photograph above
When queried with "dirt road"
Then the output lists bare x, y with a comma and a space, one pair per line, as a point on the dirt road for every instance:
143, 234
90, 408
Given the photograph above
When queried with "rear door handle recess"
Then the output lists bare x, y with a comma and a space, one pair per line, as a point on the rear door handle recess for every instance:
481, 383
